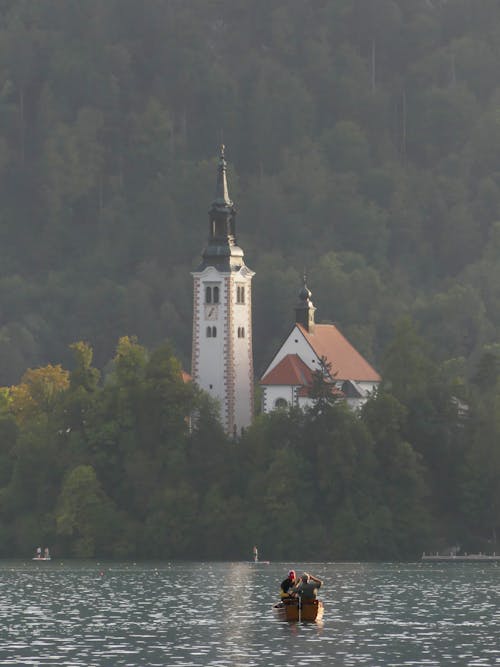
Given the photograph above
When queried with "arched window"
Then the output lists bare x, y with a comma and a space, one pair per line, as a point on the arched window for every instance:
280, 404
214, 332
216, 294
208, 295
241, 332
209, 332
240, 294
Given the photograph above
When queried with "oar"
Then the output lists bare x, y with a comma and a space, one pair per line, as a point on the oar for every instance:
300, 608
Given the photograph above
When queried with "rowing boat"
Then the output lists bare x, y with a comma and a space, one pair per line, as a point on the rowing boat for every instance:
297, 610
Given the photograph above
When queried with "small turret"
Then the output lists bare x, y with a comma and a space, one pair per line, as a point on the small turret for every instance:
304, 310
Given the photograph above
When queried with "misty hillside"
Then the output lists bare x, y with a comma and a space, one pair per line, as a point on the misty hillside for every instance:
363, 140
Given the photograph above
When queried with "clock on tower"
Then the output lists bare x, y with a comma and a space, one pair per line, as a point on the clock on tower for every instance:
211, 312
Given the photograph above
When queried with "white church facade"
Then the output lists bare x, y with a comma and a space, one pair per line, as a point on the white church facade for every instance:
222, 358
288, 378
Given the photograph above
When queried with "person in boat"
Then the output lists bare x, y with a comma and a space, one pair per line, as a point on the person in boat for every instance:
307, 587
255, 554
287, 585
46, 552
39, 552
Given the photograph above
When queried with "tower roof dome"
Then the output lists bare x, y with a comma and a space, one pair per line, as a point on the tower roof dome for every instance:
305, 293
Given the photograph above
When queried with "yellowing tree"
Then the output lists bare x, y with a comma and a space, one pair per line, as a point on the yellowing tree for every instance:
38, 391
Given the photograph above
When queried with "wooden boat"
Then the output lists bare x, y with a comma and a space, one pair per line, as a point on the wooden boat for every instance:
296, 610
42, 558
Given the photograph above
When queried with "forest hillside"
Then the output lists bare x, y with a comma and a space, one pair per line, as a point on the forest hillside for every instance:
364, 145
363, 139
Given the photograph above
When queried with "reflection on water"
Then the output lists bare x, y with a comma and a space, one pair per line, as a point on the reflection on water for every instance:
220, 614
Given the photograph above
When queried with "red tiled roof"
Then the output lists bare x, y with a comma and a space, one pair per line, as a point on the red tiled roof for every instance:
347, 362
291, 370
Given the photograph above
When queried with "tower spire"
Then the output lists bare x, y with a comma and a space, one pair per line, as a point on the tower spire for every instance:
221, 189
222, 250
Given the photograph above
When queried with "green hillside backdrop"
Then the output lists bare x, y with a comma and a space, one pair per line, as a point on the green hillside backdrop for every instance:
363, 139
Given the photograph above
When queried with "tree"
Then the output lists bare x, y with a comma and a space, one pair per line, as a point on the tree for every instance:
38, 392
406, 368
83, 375
84, 514
323, 391
402, 475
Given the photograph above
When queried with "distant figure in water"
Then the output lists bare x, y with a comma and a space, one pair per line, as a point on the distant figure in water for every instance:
255, 554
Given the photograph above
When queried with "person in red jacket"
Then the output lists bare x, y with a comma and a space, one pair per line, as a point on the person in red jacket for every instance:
287, 585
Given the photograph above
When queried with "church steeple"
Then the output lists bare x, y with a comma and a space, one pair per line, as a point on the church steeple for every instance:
221, 189
222, 359
304, 310
222, 250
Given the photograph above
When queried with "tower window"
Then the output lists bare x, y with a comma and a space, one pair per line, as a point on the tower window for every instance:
214, 332
240, 294
241, 332
216, 294
209, 332
208, 295
280, 404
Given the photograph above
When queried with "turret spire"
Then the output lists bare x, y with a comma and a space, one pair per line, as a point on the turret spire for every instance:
304, 310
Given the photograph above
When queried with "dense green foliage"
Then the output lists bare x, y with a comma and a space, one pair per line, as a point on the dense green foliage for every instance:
364, 142
117, 469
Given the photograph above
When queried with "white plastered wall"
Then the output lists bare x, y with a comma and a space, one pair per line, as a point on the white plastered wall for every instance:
208, 352
271, 393
242, 350
223, 366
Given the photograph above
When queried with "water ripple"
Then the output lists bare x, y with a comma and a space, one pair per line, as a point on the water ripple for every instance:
220, 614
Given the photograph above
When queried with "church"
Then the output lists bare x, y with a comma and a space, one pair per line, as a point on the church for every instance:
222, 357
308, 348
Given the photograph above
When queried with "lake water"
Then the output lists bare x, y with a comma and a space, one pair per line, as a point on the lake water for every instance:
193, 614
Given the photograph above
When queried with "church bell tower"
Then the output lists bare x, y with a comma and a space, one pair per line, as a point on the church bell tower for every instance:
222, 359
